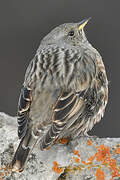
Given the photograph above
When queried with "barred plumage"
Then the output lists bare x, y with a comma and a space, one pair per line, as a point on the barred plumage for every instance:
64, 94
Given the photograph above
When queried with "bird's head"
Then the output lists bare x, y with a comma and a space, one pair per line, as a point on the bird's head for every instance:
68, 33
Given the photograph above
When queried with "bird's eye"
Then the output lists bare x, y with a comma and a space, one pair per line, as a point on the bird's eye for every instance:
71, 33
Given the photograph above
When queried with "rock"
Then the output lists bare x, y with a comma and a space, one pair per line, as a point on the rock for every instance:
82, 159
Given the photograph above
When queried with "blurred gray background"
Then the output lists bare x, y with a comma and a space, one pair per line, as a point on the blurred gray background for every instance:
23, 23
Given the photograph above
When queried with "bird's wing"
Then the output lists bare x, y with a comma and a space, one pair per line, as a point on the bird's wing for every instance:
69, 106
79, 71
23, 109
71, 77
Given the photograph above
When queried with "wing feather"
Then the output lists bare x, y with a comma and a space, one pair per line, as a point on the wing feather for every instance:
23, 108
67, 106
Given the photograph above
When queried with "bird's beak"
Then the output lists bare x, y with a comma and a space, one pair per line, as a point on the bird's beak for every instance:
83, 23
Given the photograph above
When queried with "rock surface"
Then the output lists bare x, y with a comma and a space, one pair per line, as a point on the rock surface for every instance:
82, 159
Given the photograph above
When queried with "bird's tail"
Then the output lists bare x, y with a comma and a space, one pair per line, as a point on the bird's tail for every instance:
21, 155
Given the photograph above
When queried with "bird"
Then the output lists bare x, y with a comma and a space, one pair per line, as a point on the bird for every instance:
64, 93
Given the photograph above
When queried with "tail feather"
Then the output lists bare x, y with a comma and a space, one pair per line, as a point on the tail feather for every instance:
20, 158
21, 155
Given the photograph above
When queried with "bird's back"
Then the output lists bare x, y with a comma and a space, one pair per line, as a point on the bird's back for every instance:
65, 91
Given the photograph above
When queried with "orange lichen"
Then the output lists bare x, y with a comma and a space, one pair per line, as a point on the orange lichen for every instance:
63, 140
4, 171
100, 174
91, 158
118, 150
76, 152
56, 168
97, 146
2, 175
77, 160
89, 143
103, 154
103, 157
113, 167
84, 162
